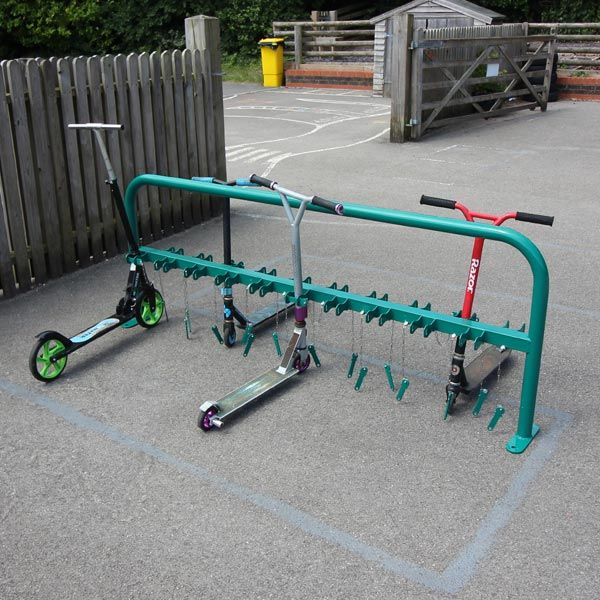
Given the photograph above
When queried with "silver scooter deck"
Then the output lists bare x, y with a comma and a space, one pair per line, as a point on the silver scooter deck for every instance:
252, 391
483, 365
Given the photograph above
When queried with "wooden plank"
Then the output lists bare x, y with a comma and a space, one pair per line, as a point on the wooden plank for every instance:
548, 75
45, 170
333, 43
122, 99
113, 138
137, 138
201, 129
436, 64
97, 116
171, 135
9, 173
489, 114
57, 152
416, 98
181, 133
149, 141
402, 29
192, 142
86, 145
482, 57
515, 81
332, 24
65, 83
160, 139
366, 53
483, 98
477, 80
7, 279
27, 170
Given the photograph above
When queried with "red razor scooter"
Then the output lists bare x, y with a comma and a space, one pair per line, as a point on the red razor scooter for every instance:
466, 379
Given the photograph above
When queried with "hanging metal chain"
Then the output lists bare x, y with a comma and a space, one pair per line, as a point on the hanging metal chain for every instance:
360, 347
352, 313
216, 310
187, 320
391, 357
161, 289
246, 299
403, 357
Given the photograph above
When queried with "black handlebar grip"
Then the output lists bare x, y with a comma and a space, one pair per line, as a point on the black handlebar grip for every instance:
441, 202
262, 181
531, 218
328, 204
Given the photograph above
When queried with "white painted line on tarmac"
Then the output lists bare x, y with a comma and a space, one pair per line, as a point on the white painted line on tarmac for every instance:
453, 579
315, 129
244, 155
379, 106
295, 154
238, 151
262, 156
270, 118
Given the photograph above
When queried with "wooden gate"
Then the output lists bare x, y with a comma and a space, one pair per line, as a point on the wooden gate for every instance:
442, 76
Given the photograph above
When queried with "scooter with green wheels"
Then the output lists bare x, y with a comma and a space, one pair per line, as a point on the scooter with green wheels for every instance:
296, 358
142, 303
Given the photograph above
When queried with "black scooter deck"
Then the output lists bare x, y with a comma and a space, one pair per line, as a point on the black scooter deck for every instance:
483, 365
267, 314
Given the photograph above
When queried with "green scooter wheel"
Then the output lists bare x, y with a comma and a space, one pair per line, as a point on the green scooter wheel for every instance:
42, 362
145, 315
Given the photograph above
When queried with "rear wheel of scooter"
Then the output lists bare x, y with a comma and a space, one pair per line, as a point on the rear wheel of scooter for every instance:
229, 335
145, 315
42, 362
205, 418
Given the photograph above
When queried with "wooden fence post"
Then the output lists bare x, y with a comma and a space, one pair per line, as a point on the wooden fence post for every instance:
402, 27
297, 46
203, 33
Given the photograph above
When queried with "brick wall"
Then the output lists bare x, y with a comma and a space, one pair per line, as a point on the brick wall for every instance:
329, 78
579, 88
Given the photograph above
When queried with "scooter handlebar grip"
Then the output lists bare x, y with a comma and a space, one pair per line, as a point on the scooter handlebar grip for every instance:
440, 202
335, 207
262, 181
532, 218
245, 183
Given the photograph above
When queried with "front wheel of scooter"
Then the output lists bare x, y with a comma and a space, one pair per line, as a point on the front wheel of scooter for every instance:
302, 366
205, 418
42, 359
144, 314
229, 335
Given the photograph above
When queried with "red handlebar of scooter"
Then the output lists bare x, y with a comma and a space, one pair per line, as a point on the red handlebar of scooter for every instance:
496, 220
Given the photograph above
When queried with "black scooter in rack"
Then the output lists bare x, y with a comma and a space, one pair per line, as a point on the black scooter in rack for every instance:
142, 303
232, 315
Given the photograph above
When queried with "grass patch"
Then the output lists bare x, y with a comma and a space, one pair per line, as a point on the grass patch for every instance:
238, 69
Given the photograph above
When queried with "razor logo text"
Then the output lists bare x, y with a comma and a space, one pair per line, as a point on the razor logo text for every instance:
473, 275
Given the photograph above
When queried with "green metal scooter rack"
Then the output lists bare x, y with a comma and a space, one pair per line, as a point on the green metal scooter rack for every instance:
382, 309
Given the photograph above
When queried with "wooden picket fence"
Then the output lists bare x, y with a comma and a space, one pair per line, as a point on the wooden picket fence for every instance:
56, 213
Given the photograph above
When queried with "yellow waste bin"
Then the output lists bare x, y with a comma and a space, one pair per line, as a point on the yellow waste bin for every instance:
271, 52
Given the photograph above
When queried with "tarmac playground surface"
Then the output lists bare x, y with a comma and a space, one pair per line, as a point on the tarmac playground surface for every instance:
109, 490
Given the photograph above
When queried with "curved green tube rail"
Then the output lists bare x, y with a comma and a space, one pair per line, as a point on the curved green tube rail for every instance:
526, 429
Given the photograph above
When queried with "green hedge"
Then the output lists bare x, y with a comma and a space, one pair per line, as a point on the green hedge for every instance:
62, 27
